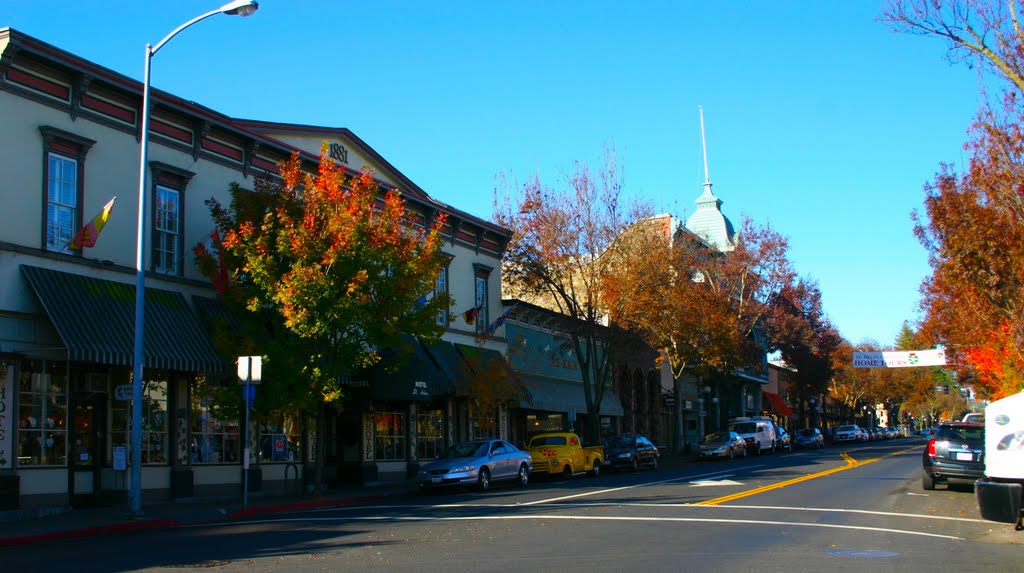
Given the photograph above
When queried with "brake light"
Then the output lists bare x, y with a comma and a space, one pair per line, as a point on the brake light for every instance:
931, 448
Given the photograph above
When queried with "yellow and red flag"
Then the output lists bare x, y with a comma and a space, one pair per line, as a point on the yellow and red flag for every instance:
91, 231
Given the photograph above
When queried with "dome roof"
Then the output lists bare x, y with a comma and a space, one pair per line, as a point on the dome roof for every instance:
710, 224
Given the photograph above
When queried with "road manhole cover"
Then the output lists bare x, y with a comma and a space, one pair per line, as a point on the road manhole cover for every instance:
861, 553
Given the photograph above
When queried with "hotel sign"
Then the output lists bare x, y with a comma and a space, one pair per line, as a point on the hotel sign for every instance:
6, 416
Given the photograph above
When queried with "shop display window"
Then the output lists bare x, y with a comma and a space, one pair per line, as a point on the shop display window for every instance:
389, 435
213, 441
42, 419
154, 423
279, 440
429, 434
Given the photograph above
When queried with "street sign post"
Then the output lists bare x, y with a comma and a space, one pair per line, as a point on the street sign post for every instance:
250, 373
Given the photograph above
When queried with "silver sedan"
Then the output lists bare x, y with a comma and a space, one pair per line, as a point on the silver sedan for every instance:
477, 463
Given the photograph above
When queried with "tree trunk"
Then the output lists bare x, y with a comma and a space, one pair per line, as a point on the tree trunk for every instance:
678, 438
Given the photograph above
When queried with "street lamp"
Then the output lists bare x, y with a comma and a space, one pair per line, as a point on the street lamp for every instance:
235, 8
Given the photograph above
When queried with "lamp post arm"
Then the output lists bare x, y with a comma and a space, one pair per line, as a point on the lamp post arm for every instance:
152, 52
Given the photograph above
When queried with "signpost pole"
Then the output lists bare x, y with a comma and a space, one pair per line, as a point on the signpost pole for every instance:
245, 443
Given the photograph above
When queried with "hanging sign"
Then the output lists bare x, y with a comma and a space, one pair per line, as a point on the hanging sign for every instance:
899, 359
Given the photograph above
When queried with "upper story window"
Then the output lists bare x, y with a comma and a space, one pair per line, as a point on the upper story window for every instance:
168, 218
63, 186
441, 287
167, 230
480, 290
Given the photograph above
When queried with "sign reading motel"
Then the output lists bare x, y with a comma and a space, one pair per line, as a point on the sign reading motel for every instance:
899, 359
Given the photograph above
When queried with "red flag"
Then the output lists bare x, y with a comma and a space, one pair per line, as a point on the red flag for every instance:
470, 315
211, 246
91, 231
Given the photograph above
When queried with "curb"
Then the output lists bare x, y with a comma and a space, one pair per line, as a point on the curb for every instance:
118, 528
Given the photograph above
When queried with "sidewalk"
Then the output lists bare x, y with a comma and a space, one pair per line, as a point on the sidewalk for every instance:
54, 523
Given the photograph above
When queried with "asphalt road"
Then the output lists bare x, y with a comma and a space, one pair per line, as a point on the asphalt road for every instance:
856, 508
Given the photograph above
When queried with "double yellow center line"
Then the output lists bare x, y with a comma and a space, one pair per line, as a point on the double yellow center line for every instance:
850, 464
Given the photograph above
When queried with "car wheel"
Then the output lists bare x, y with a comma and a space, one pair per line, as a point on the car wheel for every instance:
524, 475
483, 481
635, 464
654, 463
744, 452
596, 472
927, 481
732, 454
567, 472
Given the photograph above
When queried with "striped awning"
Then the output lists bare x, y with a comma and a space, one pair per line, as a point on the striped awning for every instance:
95, 318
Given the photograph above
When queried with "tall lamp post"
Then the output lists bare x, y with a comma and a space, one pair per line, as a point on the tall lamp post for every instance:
235, 8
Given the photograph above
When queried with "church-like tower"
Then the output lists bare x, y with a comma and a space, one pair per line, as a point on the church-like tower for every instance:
708, 222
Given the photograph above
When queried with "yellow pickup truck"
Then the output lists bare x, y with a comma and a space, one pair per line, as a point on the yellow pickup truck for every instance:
562, 454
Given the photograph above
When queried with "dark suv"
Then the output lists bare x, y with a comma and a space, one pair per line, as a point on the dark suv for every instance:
955, 452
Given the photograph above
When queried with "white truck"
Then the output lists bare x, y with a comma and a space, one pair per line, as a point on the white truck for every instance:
757, 432
999, 493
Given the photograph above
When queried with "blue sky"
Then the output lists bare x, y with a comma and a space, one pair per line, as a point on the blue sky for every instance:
819, 120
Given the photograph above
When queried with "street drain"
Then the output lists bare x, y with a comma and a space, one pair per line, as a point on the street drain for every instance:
862, 553
199, 564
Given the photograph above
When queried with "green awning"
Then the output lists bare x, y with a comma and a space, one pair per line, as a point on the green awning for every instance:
406, 373
553, 395
96, 320
451, 364
491, 371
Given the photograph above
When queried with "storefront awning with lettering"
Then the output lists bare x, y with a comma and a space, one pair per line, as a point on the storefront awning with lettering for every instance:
95, 319
551, 395
407, 373
775, 403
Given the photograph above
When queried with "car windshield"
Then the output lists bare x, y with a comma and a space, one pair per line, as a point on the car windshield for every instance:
744, 428
847, 428
547, 441
618, 442
465, 450
807, 433
961, 433
716, 438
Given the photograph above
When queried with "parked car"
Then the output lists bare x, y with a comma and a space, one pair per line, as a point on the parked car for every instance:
630, 452
955, 452
722, 444
477, 463
783, 441
849, 433
759, 433
809, 438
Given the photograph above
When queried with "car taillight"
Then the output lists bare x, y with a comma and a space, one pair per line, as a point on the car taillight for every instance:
931, 448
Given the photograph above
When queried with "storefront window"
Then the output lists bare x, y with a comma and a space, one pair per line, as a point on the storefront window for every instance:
154, 423
389, 433
279, 440
483, 425
212, 441
429, 434
540, 423
42, 420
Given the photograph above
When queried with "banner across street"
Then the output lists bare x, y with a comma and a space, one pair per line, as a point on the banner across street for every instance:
899, 358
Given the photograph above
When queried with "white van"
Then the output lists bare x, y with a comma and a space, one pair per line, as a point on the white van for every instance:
759, 434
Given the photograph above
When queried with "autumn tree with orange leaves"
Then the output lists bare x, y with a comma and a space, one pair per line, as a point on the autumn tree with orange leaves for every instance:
705, 310
973, 226
554, 260
329, 270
